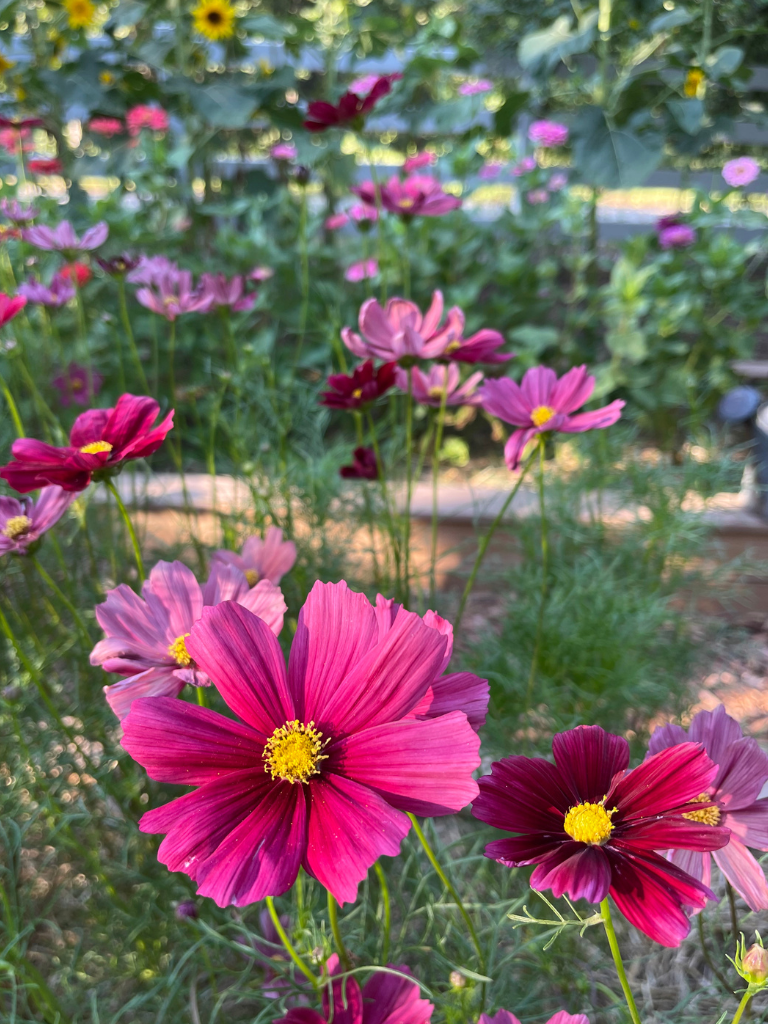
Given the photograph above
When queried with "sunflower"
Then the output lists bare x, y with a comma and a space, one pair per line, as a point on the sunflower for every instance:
214, 19
80, 13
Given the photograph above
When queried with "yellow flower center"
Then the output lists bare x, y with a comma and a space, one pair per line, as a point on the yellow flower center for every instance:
357, 393
436, 392
707, 815
453, 346
589, 823
406, 203
95, 447
252, 576
542, 414
292, 752
16, 526
178, 651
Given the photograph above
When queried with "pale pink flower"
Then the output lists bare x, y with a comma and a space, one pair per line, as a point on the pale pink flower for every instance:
62, 238
473, 88
537, 196
24, 521
362, 270
363, 85
548, 134
171, 294
336, 221
224, 291
490, 171
363, 214
267, 559
261, 274
526, 165
741, 171
150, 269
428, 388
284, 151
419, 195
415, 163
557, 182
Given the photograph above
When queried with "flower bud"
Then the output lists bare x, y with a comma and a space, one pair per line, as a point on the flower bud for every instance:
754, 965
457, 980
186, 910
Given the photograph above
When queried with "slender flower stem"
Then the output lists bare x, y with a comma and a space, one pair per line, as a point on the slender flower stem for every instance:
171, 359
408, 492
12, 409
544, 570
406, 260
379, 219
393, 532
333, 916
367, 502
129, 526
51, 583
126, 320
435, 473
741, 1007
287, 943
732, 908
304, 257
705, 952
616, 953
449, 886
483, 546
387, 911
201, 696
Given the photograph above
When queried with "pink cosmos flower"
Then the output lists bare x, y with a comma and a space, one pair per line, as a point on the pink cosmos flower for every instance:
9, 139
673, 233
171, 294
418, 195
592, 827
324, 760
415, 163
526, 165
106, 126
351, 108
150, 269
284, 151
505, 1017
557, 182
77, 384
16, 212
537, 195
490, 171
384, 999
363, 85
362, 270
58, 294
364, 466
427, 388
63, 239
336, 221
542, 403
144, 116
101, 440
400, 331
10, 306
473, 88
267, 559
733, 794
224, 291
548, 134
24, 522
363, 215
741, 171
146, 636
261, 274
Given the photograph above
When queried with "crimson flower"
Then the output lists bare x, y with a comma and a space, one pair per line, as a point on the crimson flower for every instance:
323, 760
542, 404
42, 166
10, 306
101, 440
117, 266
76, 273
593, 828
384, 999
351, 108
363, 385
418, 195
364, 466
20, 123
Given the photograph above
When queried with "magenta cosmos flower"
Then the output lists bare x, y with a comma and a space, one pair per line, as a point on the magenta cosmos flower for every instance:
592, 827
742, 772
741, 171
16, 213
267, 559
362, 270
419, 160
146, 636
542, 403
505, 1017
351, 108
77, 384
428, 388
284, 151
171, 294
101, 440
24, 522
226, 291
418, 195
362, 386
324, 759
144, 116
474, 88
673, 233
63, 238
58, 294
384, 999
10, 306
106, 126
548, 134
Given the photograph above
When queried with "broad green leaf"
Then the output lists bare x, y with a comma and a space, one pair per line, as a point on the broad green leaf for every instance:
613, 157
724, 62
672, 19
551, 44
223, 105
688, 114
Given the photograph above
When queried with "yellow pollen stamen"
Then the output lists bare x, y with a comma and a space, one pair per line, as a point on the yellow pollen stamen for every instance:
292, 752
357, 393
95, 447
16, 526
589, 823
707, 815
452, 346
436, 392
252, 576
178, 651
406, 203
542, 414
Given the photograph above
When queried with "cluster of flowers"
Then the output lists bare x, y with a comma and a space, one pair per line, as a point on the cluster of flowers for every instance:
143, 116
169, 291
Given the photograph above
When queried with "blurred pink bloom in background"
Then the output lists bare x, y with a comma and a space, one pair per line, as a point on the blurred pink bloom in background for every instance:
673, 233
363, 85
23, 521
57, 294
150, 269
418, 195
527, 164
171, 294
548, 134
144, 116
557, 182
224, 291
261, 274
10, 306
414, 163
77, 384
16, 212
284, 151
364, 466
362, 212
489, 171
336, 221
428, 388
62, 238
107, 126
741, 171
267, 559
536, 196
473, 88
9, 140
362, 270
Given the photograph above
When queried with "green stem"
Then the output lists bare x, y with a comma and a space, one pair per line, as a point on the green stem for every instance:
304, 256
616, 953
483, 546
393, 532
449, 886
741, 1007
544, 570
201, 696
386, 927
732, 908
406, 261
408, 491
706, 32
379, 220
171, 360
126, 320
63, 598
287, 943
333, 916
705, 952
18, 426
435, 473
129, 526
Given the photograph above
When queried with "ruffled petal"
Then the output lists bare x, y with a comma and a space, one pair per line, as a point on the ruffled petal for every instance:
575, 870
537, 386
131, 417
225, 583
589, 758
716, 730
154, 682
459, 691
516, 445
500, 1017
144, 632
593, 419
267, 601
173, 592
523, 794
519, 850
503, 398
342, 1000
743, 770
572, 390
388, 999
89, 426
744, 873
666, 736
665, 782
668, 833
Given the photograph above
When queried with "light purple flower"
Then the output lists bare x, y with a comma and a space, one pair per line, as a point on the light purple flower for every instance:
557, 182
741, 171
490, 171
224, 291
428, 388
24, 521
58, 294
537, 196
16, 213
527, 164
171, 294
473, 88
145, 636
62, 238
742, 772
362, 270
261, 274
548, 134
672, 233
284, 151
77, 384
268, 559
150, 269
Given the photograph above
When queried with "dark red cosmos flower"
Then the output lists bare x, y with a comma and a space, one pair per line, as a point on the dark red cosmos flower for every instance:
364, 385
52, 166
100, 440
76, 273
350, 109
20, 123
592, 827
119, 265
364, 466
